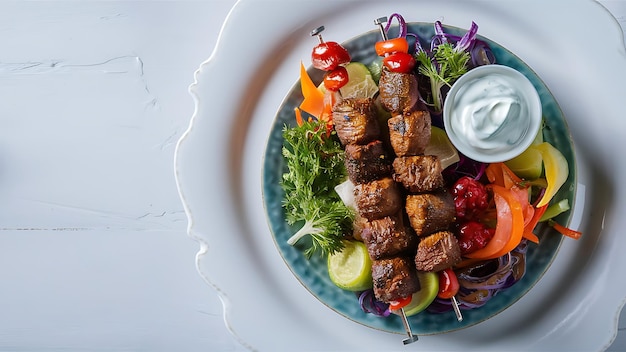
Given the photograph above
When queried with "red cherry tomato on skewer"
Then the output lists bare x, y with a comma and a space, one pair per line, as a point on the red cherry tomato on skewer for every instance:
399, 62
448, 284
390, 46
402, 302
336, 78
327, 56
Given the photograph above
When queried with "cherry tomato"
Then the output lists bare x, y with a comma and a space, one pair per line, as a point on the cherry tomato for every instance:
390, 46
399, 62
402, 302
448, 284
336, 78
327, 56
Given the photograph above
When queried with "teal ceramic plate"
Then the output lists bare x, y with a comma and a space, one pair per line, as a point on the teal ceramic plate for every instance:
313, 274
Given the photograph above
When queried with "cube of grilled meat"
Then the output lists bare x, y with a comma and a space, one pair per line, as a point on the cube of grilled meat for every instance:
388, 237
397, 91
378, 198
430, 212
418, 174
394, 278
355, 121
409, 132
437, 252
367, 162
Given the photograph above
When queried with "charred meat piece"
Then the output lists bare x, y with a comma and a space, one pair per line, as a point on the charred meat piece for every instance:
409, 132
437, 252
378, 198
367, 162
430, 212
388, 237
355, 121
418, 174
394, 278
397, 91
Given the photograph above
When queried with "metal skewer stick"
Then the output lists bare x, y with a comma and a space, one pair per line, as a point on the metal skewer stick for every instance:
318, 32
379, 22
457, 310
411, 338
407, 327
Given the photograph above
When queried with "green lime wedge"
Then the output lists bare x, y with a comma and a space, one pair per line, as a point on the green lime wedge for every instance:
441, 146
360, 83
351, 268
429, 283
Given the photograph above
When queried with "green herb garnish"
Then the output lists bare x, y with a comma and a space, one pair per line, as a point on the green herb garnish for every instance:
315, 163
443, 66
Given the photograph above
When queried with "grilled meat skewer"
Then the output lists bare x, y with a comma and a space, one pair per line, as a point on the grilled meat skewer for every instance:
397, 91
367, 162
419, 173
394, 278
437, 252
388, 237
356, 121
409, 132
430, 212
378, 198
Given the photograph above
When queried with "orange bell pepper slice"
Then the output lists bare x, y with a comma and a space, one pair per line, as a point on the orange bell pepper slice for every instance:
313, 102
494, 174
566, 231
522, 195
530, 226
299, 119
509, 225
531, 237
501, 175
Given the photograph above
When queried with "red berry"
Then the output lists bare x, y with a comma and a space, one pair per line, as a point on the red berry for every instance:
473, 236
470, 198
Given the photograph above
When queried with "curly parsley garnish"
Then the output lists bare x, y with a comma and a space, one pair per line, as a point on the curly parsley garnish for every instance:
315, 163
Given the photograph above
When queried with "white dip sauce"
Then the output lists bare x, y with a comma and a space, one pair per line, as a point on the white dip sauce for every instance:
489, 113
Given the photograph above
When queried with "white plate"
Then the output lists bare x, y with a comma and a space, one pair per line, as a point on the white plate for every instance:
580, 57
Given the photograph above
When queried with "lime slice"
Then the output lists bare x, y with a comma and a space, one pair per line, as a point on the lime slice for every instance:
351, 268
441, 146
527, 165
429, 283
360, 83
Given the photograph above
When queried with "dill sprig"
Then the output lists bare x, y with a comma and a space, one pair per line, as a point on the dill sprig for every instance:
442, 66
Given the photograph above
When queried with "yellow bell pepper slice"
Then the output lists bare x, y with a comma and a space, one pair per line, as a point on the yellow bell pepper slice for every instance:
556, 170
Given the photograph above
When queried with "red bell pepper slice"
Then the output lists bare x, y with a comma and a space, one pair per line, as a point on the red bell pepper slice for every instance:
509, 225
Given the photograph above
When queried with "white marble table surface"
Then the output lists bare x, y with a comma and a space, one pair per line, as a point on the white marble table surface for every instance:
94, 254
